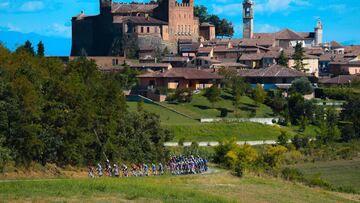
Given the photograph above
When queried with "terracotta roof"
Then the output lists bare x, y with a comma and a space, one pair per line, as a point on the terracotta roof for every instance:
307, 35
208, 59
335, 45
231, 64
272, 71
139, 20
206, 25
132, 8
314, 51
150, 65
287, 34
175, 58
186, 73
340, 80
205, 49
262, 41
331, 57
247, 57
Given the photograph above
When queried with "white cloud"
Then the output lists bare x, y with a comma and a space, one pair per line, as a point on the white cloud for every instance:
4, 5
267, 28
279, 5
229, 9
32, 6
59, 30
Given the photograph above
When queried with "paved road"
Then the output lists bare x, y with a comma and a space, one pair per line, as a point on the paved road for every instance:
213, 144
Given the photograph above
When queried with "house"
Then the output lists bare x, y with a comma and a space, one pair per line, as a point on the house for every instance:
202, 62
151, 66
340, 80
273, 77
207, 31
176, 61
179, 78
345, 68
311, 64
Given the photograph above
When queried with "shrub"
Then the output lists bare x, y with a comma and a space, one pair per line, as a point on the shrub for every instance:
292, 174
239, 170
223, 113
181, 141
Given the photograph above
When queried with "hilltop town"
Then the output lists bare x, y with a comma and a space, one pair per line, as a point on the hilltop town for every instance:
169, 41
157, 102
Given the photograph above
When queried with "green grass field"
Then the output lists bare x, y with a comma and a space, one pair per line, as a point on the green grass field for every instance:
200, 107
344, 173
224, 131
167, 117
218, 187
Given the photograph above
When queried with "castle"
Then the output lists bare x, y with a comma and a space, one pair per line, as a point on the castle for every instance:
153, 25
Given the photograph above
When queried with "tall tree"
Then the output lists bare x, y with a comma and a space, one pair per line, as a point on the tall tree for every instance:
40, 49
299, 57
28, 47
201, 13
283, 59
213, 94
259, 95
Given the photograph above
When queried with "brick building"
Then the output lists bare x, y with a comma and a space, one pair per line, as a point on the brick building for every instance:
152, 25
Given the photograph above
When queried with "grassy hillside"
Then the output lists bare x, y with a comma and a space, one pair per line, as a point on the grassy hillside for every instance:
221, 131
219, 187
167, 117
345, 173
200, 107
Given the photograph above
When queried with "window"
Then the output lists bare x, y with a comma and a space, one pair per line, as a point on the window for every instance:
142, 29
148, 29
156, 29
117, 62
113, 62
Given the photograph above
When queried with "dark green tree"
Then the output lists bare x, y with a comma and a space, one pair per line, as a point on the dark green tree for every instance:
40, 49
201, 13
283, 59
259, 95
302, 86
213, 94
28, 47
299, 57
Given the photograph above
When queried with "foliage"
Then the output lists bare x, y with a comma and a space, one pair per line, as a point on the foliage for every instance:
259, 95
222, 26
299, 57
300, 141
40, 49
183, 95
126, 77
28, 47
329, 131
283, 138
283, 59
273, 156
213, 94
71, 115
141, 106
276, 101
302, 86
351, 113
300, 110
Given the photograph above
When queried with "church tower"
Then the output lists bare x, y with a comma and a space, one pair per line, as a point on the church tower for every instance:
318, 33
105, 6
248, 19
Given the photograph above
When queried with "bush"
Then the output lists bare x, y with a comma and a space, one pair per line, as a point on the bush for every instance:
181, 141
224, 113
239, 170
292, 174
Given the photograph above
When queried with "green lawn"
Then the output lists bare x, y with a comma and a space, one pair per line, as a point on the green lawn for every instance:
221, 131
218, 187
200, 107
339, 173
167, 117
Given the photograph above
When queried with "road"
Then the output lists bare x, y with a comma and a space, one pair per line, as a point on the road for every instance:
213, 144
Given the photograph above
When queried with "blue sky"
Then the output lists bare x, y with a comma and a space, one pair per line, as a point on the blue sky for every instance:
50, 20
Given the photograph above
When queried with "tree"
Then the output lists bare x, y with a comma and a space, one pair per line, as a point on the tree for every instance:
302, 86
351, 112
259, 95
283, 138
40, 49
28, 47
300, 110
283, 59
299, 57
201, 13
213, 94
329, 131
141, 106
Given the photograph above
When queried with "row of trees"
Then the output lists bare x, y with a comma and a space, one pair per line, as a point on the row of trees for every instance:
70, 115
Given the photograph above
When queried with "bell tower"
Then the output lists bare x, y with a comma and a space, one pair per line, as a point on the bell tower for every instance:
318, 33
105, 6
248, 19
